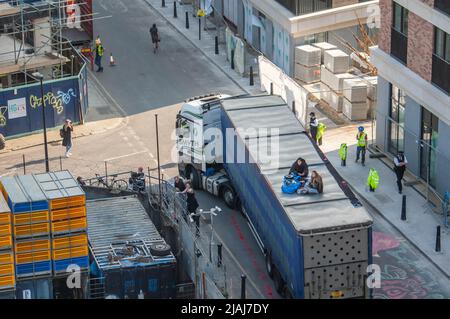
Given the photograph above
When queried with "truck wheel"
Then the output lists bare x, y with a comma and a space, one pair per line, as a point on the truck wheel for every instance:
160, 250
269, 265
194, 178
229, 196
2, 142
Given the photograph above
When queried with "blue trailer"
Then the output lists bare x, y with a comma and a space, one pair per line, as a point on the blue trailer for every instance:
316, 246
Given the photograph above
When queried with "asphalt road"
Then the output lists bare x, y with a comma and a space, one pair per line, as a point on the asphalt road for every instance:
142, 80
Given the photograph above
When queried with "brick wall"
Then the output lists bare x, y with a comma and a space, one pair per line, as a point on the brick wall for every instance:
341, 3
420, 46
384, 37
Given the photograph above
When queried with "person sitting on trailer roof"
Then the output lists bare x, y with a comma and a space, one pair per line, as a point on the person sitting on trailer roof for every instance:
299, 168
314, 186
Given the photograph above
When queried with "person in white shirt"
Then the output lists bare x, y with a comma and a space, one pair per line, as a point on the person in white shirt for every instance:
400, 162
313, 124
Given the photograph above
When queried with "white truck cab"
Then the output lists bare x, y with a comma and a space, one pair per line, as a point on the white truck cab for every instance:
204, 172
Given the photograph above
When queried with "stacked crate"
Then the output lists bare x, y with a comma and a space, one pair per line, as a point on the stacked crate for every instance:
7, 277
333, 74
355, 99
30, 224
372, 83
307, 63
67, 208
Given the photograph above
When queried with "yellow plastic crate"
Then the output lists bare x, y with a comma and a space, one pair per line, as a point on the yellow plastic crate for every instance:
7, 269
7, 281
5, 218
71, 241
70, 253
34, 245
31, 218
5, 230
5, 241
69, 225
32, 257
32, 230
68, 213
62, 203
6, 258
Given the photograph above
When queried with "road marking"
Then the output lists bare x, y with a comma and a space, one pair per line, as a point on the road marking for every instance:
249, 279
123, 156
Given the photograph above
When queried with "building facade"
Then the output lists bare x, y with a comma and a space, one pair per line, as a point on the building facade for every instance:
413, 61
276, 27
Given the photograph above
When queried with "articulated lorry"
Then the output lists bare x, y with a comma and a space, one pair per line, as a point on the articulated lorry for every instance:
315, 246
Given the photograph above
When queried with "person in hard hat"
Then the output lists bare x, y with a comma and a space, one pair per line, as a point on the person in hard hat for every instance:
373, 180
400, 162
313, 125
320, 131
99, 51
361, 148
343, 154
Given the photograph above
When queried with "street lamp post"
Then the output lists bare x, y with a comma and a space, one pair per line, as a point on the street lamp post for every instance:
41, 79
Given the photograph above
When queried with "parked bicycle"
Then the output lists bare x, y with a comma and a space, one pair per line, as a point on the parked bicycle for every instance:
114, 184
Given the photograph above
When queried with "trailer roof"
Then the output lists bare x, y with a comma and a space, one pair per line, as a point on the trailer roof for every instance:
115, 223
329, 211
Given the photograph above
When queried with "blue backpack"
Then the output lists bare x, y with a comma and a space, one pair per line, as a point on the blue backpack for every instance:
291, 183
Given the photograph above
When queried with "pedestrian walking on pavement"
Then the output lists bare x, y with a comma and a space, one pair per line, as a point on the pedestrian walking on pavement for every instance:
192, 205
343, 151
361, 148
373, 180
155, 38
400, 162
67, 136
313, 125
99, 51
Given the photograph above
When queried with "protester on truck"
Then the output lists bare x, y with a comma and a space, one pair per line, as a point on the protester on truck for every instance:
314, 186
300, 168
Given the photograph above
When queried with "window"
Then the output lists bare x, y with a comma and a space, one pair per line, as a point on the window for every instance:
397, 120
429, 143
441, 60
399, 33
443, 6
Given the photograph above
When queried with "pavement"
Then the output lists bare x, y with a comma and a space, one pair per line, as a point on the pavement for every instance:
422, 220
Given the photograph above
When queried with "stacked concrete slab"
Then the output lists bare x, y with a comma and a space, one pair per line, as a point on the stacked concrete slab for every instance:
333, 74
324, 46
372, 82
307, 63
355, 99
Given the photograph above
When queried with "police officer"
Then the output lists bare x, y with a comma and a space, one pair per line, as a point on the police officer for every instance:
400, 162
313, 125
361, 137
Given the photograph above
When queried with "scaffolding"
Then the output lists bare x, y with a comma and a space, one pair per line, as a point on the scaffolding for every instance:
32, 39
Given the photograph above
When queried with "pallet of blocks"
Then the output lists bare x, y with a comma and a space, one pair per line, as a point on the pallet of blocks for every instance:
7, 276
324, 46
307, 63
337, 61
355, 99
67, 208
372, 83
31, 226
333, 84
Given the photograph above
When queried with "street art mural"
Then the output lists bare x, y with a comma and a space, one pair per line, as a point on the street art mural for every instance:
403, 274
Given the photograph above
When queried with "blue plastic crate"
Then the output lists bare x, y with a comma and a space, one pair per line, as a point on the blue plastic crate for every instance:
61, 265
42, 267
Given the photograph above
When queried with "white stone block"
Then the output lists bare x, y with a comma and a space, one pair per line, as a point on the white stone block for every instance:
372, 84
355, 90
337, 61
334, 81
307, 74
324, 46
356, 111
308, 55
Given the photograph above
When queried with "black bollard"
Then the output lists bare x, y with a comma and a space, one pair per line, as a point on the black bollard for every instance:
219, 255
438, 239
216, 44
163, 4
232, 59
175, 13
243, 278
199, 28
187, 20
404, 207
271, 88
252, 78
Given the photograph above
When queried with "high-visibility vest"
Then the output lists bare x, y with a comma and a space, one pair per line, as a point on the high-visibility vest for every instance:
343, 152
320, 130
100, 50
361, 139
373, 180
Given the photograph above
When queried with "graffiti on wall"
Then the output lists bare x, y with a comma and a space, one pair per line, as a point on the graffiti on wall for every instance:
56, 101
3, 110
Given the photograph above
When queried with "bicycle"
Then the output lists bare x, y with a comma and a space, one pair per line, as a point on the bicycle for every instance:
113, 185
